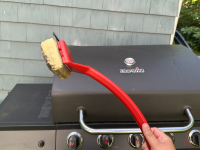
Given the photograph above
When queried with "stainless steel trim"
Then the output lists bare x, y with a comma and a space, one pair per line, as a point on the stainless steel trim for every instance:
135, 130
190, 137
77, 134
98, 141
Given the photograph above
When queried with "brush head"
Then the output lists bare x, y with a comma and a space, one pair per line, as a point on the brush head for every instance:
53, 59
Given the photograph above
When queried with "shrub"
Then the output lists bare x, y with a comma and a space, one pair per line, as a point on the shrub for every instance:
192, 36
189, 23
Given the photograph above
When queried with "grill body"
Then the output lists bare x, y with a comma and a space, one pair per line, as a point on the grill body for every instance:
32, 113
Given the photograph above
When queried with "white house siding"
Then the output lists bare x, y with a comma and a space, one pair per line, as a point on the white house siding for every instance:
24, 24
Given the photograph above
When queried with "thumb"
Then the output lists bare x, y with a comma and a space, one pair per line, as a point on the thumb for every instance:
153, 141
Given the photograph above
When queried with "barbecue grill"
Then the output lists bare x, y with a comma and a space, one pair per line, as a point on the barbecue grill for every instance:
80, 113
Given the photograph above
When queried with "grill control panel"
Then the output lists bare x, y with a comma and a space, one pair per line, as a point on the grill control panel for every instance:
74, 140
85, 141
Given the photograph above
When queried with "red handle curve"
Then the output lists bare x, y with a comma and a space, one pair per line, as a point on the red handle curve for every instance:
116, 90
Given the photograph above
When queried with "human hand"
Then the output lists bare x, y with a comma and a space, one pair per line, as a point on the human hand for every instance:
157, 139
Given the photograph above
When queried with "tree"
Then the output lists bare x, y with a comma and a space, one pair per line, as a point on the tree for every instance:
189, 23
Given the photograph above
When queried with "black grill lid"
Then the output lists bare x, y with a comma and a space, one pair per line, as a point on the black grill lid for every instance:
171, 81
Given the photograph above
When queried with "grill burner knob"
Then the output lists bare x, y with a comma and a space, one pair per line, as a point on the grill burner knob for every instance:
105, 141
194, 138
171, 135
136, 140
74, 140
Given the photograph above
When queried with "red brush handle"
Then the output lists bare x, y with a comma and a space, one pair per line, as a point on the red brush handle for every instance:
116, 90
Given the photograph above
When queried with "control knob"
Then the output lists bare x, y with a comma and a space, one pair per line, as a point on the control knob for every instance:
74, 140
136, 140
105, 141
194, 138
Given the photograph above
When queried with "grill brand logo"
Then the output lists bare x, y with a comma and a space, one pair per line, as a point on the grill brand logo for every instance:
136, 70
131, 62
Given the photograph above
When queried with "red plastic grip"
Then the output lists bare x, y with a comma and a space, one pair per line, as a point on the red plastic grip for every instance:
116, 90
